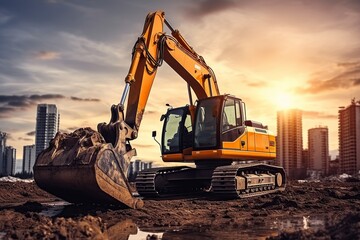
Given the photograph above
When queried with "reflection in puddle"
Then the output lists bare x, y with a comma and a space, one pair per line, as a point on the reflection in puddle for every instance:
298, 223
54, 208
128, 230
146, 235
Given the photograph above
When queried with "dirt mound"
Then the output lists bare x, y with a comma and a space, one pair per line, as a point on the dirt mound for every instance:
312, 210
19, 192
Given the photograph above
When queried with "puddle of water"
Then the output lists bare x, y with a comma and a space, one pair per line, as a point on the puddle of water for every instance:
145, 235
299, 223
273, 227
54, 208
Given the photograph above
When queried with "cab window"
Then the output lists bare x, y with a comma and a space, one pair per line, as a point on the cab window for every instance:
230, 115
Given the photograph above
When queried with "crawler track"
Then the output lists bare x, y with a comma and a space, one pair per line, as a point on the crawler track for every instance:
233, 181
224, 182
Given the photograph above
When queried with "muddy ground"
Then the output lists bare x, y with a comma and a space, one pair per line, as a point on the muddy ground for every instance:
309, 210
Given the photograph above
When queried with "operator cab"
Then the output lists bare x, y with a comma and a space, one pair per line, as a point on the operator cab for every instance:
218, 119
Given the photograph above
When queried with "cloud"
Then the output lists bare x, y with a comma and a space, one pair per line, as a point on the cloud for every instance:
13, 103
349, 64
206, 7
256, 84
27, 100
25, 139
46, 97
85, 99
82, 8
345, 76
153, 112
4, 18
315, 114
32, 133
4, 111
47, 55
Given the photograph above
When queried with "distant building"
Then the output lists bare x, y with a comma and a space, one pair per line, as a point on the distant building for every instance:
29, 157
305, 158
318, 142
349, 138
289, 143
10, 160
47, 125
334, 168
3, 137
137, 166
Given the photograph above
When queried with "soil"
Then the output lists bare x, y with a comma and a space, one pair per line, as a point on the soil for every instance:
328, 209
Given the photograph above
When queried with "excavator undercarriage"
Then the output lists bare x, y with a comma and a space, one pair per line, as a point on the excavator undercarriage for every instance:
230, 181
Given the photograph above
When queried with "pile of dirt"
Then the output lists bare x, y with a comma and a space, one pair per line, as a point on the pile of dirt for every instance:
307, 210
20, 192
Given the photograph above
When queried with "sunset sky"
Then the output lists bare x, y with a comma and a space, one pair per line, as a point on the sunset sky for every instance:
274, 54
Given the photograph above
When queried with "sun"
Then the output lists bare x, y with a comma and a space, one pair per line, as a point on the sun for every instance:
284, 100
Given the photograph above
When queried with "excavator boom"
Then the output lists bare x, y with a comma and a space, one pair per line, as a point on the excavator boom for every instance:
150, 50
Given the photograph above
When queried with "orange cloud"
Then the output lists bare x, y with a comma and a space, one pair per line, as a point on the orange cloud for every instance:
47, 55
346, 76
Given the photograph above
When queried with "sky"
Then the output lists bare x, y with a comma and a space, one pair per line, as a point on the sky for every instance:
273, 54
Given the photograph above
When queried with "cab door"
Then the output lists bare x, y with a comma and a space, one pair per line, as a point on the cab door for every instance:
177, 131
232, 122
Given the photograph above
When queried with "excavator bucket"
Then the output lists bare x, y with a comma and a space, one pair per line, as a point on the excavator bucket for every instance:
82, 167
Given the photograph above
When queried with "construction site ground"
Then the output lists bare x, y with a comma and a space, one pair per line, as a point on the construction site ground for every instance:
327, 209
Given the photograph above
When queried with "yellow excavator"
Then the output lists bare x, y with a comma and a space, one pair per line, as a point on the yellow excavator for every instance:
212, 132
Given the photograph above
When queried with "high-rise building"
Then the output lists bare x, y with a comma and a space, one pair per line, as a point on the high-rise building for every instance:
305, 158
349, 138
29, 158
318, 143
289, 144
334, 168
10, 160
3, 137
47, 125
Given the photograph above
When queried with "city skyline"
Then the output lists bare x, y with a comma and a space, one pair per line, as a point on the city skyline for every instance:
274, 55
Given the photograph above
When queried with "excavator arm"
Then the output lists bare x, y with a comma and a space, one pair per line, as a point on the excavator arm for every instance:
150, 50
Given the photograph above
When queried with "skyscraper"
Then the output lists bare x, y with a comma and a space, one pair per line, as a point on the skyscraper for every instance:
29, 158
47, 125
349, 138
318, 142
10, 160
289, 143
3, 137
